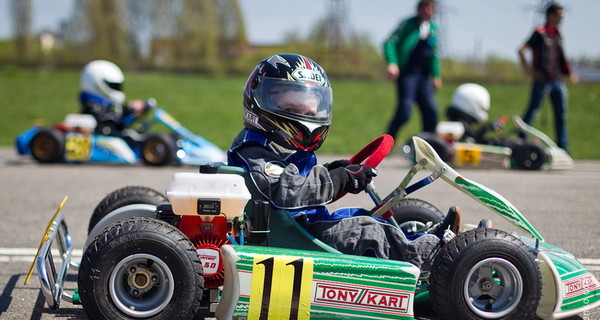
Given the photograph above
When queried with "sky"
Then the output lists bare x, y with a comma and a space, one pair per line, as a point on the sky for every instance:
471, 28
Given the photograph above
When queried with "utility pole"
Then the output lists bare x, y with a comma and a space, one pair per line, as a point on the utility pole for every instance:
336, 24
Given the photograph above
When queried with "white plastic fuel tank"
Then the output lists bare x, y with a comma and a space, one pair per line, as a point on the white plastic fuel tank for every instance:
208, 193
82, 121
450, 130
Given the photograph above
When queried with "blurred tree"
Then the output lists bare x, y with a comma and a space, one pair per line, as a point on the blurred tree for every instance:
21, 20
96, 30
107, 30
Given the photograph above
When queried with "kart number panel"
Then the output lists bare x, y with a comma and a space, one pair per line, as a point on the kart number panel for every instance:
281, 287
78, 146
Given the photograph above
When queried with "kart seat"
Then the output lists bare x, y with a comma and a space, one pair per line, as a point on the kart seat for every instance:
284, 230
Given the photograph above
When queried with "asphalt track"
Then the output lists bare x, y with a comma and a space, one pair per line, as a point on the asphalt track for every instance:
562, 205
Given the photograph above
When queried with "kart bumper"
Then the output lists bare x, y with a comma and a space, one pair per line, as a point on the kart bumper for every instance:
568, 287
316, 285
52, 265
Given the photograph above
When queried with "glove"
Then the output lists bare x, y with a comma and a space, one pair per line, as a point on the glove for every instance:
336, 164
352, 178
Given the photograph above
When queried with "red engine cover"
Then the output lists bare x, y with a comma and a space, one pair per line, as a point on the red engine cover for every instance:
207, 234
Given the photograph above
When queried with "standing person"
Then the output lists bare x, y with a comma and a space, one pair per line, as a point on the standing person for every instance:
411, 53
102, 96
288, 105
547, 67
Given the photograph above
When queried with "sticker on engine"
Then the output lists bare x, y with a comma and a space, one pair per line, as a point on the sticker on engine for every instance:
281, 287
211, 260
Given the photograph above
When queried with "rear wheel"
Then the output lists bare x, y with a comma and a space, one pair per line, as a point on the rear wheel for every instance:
485, 274
158, 150
141, 268
48, 145
415, 216
439, 145
123, 197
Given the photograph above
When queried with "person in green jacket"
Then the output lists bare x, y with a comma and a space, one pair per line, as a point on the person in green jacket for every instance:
411, 54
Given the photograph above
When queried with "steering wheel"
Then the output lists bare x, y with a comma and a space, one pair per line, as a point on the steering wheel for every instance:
372, 154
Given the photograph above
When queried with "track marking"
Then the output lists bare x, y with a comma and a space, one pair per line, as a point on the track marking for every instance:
28, 254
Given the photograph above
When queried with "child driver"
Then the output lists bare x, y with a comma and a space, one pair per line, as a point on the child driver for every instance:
287, 113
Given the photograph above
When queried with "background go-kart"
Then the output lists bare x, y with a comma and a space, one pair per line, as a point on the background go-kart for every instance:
562, 205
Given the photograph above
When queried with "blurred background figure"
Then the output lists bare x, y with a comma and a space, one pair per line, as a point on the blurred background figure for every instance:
411, 54
547, 66
102, 96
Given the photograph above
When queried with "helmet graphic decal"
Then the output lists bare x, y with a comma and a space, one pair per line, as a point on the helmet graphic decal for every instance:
275, 59
301, 139
306, 71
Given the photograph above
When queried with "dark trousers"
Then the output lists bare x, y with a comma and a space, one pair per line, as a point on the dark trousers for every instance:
558, 97
414, 87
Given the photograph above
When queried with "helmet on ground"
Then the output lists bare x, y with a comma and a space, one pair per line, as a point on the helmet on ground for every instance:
472, 100
288, 97
103, 78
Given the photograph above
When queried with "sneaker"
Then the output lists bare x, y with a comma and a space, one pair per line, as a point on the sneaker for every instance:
451, 222
485, 223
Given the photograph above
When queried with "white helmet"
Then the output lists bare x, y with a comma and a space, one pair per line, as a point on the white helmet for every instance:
473, 100
103, 78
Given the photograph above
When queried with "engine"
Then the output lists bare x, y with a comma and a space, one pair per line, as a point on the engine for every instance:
206, 204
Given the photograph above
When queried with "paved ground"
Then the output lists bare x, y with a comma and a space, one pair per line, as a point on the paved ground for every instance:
562, 205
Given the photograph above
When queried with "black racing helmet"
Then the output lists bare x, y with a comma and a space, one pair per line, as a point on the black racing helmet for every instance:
289, 98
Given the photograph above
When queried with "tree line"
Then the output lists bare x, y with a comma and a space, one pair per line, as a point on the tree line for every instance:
207, 37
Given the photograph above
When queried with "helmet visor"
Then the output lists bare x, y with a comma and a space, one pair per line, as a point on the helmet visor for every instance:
114, 85
296, 100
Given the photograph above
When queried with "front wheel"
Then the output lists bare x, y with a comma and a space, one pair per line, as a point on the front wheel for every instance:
485, 274
141, 268
529, 155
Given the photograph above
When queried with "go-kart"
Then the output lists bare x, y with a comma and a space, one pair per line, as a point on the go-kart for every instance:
74, 140
217, 247
531, 149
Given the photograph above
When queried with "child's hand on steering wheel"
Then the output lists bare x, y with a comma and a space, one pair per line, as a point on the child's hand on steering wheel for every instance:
352, 178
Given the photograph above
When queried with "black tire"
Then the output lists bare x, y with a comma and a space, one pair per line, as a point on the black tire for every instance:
483, 266
529, 155
437, 143
415, 216
123, 197
48, 145
141, 268
158, 150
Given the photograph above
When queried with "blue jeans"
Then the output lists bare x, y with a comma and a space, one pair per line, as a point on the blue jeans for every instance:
558, 97
414, 87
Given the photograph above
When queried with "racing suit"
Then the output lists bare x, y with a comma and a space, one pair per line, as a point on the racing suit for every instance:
111, 118
293, 180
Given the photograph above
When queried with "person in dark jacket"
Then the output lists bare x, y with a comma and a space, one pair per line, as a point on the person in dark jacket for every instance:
547, 66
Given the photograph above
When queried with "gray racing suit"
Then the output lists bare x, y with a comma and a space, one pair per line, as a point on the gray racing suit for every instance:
292, 180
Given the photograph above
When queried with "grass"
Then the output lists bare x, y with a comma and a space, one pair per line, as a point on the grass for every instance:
211, 106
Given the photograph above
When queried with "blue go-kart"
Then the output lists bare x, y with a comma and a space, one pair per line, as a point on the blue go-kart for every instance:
74, 141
